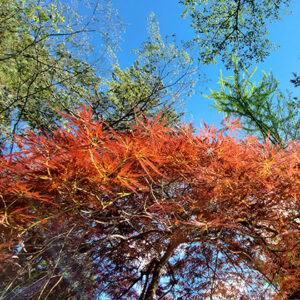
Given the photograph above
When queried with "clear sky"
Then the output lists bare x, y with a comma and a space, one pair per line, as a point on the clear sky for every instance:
284, 61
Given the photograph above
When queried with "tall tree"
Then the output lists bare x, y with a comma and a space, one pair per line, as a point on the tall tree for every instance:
224, 27
265, 111
162, 73
42, 68
154, 212
45, 67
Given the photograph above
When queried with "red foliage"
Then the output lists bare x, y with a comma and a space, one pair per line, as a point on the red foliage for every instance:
171, 212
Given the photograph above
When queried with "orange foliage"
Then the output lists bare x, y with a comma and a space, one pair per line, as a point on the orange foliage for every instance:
235, 202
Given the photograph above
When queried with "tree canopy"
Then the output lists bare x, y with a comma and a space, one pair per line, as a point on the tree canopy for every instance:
224, 27
41, 62
152, 211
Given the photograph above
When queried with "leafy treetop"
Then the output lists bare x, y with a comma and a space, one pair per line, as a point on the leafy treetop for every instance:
151, 211
224, 27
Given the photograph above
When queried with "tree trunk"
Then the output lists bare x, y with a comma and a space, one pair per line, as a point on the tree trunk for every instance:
177, 238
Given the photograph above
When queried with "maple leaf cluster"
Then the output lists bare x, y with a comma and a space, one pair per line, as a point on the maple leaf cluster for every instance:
150, 212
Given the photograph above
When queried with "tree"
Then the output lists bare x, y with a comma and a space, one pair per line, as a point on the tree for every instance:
263, 108
158, 212
45, 67
225, 27
265, 111
160, 78
42, 65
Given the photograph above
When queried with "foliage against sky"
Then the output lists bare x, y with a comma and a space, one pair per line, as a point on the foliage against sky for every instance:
264, 109
41, 68
124, 203
46, 64
224, 27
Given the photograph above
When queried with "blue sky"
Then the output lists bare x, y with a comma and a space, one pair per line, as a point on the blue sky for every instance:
284, 61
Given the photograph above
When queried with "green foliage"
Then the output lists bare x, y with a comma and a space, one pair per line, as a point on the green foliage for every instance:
159, 79
173, 63
224, 26
263, 108
41, 63
45, 67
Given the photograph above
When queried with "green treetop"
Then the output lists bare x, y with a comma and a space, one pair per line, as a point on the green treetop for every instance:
223, 27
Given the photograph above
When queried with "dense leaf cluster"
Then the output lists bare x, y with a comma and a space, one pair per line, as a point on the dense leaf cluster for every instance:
151, 212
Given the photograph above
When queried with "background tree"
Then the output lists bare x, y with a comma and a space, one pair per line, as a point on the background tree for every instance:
45, 67
225, 27
160, 79
41, 61
262, 107
153, 212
